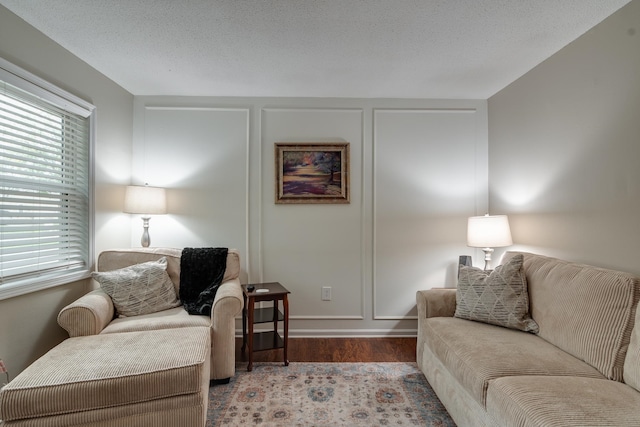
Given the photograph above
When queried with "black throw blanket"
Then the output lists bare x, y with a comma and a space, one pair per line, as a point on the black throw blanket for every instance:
201, 273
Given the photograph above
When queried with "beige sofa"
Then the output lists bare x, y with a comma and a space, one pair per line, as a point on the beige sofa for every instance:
582, 367
94, 313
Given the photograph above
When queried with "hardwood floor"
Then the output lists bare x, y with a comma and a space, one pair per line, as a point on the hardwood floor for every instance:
339, 350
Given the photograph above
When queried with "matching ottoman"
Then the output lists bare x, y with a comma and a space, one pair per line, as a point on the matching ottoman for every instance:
154, 378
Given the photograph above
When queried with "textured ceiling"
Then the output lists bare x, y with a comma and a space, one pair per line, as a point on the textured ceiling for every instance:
315, 48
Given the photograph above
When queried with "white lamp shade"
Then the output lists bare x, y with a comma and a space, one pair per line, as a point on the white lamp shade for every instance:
488, 231
145, 200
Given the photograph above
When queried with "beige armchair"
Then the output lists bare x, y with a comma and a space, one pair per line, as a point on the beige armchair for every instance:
94, 312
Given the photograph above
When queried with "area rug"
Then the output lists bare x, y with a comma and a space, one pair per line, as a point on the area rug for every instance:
327, 394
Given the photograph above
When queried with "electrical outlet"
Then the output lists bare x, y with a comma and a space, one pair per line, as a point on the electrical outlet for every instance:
326, 293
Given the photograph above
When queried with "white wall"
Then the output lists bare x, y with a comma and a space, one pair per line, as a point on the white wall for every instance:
564, 147
28, 325
418, 170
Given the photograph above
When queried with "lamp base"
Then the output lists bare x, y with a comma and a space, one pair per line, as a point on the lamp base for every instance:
145, 240
487, 258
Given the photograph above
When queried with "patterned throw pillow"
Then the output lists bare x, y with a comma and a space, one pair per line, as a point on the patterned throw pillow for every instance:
499, 297
139, 289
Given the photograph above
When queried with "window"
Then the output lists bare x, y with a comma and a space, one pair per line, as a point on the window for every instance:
46, 204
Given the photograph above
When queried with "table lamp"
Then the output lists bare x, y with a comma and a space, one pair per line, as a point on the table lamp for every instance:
488, 232
147, 201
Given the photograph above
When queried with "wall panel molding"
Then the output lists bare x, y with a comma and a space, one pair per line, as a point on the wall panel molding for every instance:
147, 145
357, 155
416, 213
350, 247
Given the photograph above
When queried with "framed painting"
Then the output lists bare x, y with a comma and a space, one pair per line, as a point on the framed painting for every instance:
312, 172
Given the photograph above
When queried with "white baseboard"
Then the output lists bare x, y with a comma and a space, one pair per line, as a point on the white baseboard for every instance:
347, 333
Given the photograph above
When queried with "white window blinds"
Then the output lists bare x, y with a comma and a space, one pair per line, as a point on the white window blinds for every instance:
45, 180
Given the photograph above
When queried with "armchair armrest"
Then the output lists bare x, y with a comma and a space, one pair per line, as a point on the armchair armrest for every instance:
88, 315
436, 303
227, 305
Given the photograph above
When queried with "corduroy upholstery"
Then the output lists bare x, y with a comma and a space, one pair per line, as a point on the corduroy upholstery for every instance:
563, 401
632, 361
588, 312
488, 375
150, 378
94, 313
477, 353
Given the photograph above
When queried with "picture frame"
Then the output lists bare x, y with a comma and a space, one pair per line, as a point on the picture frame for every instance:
312, 172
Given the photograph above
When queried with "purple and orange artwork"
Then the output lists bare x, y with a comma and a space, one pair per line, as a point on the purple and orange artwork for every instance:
312, 173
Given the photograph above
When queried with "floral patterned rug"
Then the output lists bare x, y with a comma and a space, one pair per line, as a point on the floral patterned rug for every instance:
327, 394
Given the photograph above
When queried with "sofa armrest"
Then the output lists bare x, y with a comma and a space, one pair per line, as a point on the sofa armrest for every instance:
88, 315
227, 305
436, 303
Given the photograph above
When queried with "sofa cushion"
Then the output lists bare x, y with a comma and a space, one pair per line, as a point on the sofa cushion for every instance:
632, 359
584, 310
475, 353
139, 289
562, 401
172, 318
95, 372
498, 297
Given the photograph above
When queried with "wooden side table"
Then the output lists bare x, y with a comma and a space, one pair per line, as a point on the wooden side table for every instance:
267, 340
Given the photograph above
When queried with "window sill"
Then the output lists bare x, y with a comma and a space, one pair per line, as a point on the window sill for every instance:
14, 289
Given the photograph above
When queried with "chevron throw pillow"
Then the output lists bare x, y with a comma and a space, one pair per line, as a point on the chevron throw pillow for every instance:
499, 297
